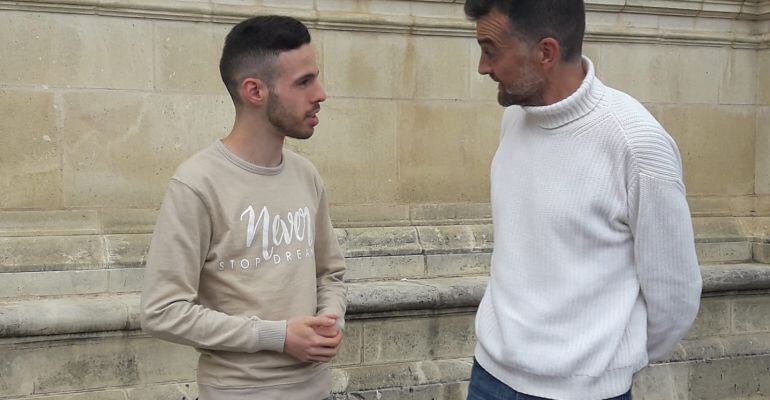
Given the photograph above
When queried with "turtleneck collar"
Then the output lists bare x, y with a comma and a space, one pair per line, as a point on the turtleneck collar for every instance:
574, 107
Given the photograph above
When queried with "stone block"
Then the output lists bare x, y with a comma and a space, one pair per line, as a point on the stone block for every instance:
352, 69
704, 349
382, 241
717, 229
662, 381
717, 144
460, 291
414, 339
438, 10
747, 345
373, 377
366, 215
450, 213
169, 391
745, 378
70, 50
30, 148
739, 85
127, 250
713, 318
723, 252
125, 280
762, 169
50, 253
389, 267
352, 343
447, 391
763, 97
46, 223
454, 168
354, 149
751, 314
439, 72
456, 238
458, 264
62, 316
128, 220
370, 297
143, 138
651, 72
53, 283
95, 395
187, 56
761, 252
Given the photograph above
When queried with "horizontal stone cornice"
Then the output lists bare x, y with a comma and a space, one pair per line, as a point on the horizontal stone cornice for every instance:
434, 25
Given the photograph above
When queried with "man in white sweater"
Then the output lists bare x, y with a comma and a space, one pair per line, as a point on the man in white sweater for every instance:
594, 272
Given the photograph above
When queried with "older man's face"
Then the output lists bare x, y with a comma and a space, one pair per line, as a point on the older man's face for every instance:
509, 61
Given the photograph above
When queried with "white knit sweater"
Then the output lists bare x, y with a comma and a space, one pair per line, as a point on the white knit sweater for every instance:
594, 269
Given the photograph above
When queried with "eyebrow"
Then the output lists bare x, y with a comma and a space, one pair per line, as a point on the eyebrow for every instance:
307, 76
486, 41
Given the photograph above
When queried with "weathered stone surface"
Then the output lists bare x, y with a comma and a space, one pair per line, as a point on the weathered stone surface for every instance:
763, 97
762, 168
458, 264
368, 216
383, 241
171, 391
751, 314
445, 149
713, 318
76, 51
450, 213
46, 223
128, 220
127, 251
187, 56
662, 381
716, 229
440, 80
414, 339
30, 152
701, 349
367, 174
447, 391
745, 378
386, 296
738, 84
124, 280
352, 344
50, 253
714, 163
373, 377
61, 316
53, 283
723, 252
95, 395
391, 267
742, 345
161, 130
456, 238
761, 252
719, 278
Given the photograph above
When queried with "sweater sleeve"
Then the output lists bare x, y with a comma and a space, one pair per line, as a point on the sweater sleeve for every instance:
330, 266
169, 308
664, 247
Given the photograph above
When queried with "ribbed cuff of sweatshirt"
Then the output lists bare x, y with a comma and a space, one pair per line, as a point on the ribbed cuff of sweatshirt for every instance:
271, 335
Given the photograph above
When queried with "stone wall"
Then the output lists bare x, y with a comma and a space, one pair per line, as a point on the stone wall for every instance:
101, 99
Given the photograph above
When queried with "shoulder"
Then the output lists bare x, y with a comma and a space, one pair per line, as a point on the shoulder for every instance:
652, 150
304, 167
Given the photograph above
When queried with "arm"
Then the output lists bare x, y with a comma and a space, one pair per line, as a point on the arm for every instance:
664, 247
330, 267
169, 308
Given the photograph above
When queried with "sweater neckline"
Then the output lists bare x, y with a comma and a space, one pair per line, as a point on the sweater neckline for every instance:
243, 164
575, 106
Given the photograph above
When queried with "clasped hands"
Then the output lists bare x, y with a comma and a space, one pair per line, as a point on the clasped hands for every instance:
314, 339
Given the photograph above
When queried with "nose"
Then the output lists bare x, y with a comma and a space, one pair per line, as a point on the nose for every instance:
321, 94
484, 67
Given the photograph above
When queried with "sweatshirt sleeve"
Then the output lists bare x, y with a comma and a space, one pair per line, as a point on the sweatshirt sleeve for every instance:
169, 308
330, 266
664, 246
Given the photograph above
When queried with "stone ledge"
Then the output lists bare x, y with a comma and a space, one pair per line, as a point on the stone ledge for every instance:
76, 314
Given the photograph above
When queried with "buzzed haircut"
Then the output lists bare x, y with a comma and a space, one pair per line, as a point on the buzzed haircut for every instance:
252, 47
535, 20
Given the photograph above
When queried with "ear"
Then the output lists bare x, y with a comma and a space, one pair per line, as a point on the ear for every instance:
254, 91
550, 52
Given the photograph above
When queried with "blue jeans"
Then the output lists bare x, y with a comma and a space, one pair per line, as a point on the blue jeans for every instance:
484, 386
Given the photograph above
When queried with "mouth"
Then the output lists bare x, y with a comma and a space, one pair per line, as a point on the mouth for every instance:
313, 116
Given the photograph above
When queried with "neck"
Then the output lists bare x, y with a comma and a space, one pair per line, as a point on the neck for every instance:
254, 139
564, 79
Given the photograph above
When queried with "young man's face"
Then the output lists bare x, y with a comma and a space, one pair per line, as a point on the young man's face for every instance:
509, 61
296, 95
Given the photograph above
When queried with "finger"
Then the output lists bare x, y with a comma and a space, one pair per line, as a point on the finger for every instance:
319, 321
322, 352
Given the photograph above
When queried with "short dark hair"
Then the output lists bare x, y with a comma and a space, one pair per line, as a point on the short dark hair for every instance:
535, 20
252, 47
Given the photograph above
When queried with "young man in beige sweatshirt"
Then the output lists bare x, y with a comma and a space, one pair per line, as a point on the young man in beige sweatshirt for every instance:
244, 264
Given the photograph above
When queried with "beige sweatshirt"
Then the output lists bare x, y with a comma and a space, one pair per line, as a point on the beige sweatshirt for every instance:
238, 250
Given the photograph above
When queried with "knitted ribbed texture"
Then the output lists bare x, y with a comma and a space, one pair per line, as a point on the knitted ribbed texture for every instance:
594, 269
